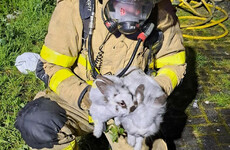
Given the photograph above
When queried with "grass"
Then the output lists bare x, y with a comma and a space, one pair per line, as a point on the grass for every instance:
214, 79
212, 60
24, 31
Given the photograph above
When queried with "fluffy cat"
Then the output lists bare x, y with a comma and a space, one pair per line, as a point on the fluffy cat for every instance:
146, 118
110, 98
135, 101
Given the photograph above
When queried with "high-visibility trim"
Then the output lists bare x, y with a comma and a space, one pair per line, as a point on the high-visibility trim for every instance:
176, 59
151, 65
58, 77
169, 73
89, 82
84, 62
90, 119
56, 58
71, 146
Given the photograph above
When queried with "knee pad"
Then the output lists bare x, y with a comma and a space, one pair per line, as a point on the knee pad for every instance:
40, 121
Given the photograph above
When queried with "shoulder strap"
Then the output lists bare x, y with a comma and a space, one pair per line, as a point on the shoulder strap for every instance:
85, 12
153, 16
85, 8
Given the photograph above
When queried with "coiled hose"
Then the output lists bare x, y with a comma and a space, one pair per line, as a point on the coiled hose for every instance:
207, 20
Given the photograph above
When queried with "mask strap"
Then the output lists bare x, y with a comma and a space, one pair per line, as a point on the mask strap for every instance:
110, 24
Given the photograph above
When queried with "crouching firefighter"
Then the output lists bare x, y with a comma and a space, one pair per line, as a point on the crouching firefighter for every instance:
86, 38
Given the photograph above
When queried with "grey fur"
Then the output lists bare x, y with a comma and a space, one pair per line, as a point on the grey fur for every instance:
119, 101
135, 101
146, 119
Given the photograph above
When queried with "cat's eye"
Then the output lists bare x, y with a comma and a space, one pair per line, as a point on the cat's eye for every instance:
122, 104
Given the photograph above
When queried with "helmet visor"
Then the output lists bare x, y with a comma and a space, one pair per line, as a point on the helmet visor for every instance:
129, 10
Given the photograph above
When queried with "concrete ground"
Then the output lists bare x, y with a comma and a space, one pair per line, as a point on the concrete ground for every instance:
208, 128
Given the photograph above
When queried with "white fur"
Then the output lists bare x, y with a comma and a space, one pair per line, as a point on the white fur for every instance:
144, 104
146, 119
107, 101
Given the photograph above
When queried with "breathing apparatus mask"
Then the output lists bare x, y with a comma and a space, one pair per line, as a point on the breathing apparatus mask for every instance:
127, 16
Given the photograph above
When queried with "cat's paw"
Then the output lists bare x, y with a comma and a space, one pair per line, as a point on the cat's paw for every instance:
98, 129
138, 144
131, 140
117, 121
97, 133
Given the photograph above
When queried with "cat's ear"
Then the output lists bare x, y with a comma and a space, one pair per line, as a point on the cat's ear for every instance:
101, 86
139, 93
106, 80
161, 100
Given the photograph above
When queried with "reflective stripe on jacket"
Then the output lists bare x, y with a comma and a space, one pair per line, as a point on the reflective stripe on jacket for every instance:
63, 44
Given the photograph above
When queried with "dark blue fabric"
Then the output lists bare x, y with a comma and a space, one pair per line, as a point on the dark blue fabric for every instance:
85, 8
85, 12
40, 73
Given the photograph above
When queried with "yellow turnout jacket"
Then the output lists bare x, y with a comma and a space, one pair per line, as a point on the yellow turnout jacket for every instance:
66, 63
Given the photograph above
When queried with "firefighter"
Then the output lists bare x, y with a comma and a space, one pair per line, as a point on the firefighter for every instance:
86, 38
